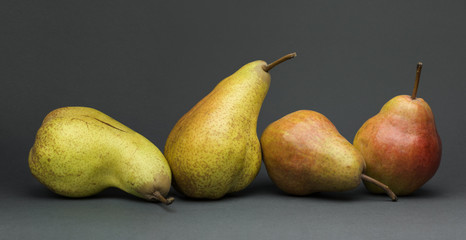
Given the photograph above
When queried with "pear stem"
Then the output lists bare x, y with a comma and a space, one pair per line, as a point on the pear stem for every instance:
389, 192
268, 67
159, 197
416, 83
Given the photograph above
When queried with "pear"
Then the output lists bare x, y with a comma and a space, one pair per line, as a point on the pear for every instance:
401, 144
214, 149
304, 153
79, 151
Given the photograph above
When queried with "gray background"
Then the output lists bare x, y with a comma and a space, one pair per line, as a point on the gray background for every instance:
146, 63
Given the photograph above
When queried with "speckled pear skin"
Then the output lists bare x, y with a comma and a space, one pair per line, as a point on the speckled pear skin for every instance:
80, 151
401, 145
304, 153
214, 149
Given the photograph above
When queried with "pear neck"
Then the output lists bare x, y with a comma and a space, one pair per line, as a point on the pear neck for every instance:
242, 93
405, 109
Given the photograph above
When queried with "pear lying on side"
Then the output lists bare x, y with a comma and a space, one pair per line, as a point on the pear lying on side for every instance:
80, 151
400, 144
304, 153
213, 149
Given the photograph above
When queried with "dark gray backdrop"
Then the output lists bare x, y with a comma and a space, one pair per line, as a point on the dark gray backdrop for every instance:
146, 63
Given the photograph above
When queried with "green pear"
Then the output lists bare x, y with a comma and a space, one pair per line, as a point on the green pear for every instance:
400, 144
214, 149
80, 151
304, 153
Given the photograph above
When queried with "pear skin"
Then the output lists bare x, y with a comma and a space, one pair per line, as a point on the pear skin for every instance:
400, 144
214, 149
80, 151
304, 153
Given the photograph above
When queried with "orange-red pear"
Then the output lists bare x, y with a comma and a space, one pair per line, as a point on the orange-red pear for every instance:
304, 153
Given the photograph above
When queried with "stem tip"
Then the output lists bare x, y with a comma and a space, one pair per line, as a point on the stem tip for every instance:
387, 190
416, 83
289, 56
159, 197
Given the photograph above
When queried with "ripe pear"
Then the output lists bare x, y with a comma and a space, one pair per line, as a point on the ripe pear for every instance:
400, 144
80, 151
214, 149
304, 153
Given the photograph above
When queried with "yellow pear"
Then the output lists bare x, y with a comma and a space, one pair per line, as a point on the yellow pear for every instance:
79, 151
214, 149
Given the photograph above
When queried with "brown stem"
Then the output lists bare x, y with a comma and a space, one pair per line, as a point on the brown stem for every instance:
416, 83
268, 67
389, 192
159, 197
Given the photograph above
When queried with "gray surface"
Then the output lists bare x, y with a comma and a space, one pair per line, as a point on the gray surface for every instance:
147, 63
260, 212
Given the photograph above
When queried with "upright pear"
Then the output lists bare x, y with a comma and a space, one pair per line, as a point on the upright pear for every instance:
79, 151
214, 149
400, 144
304, 153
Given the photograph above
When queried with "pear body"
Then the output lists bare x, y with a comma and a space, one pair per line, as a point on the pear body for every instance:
304, 153
80, 151
401, 145
214, 149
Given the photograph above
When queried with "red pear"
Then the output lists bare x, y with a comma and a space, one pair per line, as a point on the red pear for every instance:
400, 144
